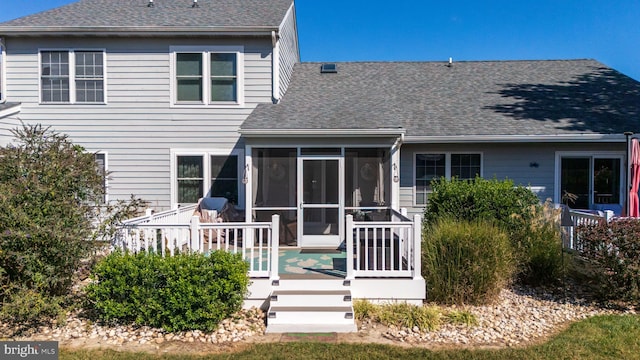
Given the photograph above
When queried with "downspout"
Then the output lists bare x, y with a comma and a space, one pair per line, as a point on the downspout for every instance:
275, 64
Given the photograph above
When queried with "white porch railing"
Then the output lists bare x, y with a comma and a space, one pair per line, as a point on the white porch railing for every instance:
257, 242
384, 248
578, 218
180, 215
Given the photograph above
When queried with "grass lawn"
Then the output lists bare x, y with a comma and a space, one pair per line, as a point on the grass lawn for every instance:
601, 337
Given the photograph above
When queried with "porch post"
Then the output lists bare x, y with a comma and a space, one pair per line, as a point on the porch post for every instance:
275, 251
194, 244
417, 247
349, 240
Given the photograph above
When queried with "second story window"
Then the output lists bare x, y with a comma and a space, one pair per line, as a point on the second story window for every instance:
72, 76
207, 76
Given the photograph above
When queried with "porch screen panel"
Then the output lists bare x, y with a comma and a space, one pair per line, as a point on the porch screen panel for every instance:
274, 178
575, 177
367, 177
190, 179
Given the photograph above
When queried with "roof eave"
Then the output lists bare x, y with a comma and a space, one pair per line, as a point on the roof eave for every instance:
12, 108
516, 138
353, 133
136, 30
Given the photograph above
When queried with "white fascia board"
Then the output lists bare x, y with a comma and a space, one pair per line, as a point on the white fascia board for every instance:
515, 138
354, 133
139, 31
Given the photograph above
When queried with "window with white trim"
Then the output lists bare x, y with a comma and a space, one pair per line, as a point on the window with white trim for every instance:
72, 76
207, 76
591, 181
197, 172
2, 75
101, 167
430, 166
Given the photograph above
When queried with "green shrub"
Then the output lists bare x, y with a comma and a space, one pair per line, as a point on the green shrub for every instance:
531, 227
365, 309
461, 317
29, 308
183, 292
465, 262
48, 187
613, 251
539, 248
480, 198
400, 314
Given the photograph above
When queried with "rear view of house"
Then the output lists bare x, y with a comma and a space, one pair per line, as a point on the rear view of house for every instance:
182, 100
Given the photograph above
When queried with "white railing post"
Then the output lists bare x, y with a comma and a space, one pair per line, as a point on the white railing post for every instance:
194, 244
349, 241
275, 251
417, 247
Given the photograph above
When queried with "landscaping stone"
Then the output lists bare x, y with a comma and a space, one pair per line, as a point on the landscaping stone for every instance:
519, 316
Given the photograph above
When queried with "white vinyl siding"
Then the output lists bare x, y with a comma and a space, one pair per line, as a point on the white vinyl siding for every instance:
138, 125
289, 51
207, 75
72, 76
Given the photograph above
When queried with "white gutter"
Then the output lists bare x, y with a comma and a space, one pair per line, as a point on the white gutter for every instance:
354, 133
516, 138
275, 65
137, 30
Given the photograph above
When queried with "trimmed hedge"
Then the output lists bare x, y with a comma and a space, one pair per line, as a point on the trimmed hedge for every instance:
182, 292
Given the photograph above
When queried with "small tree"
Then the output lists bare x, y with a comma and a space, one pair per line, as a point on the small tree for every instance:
49, 189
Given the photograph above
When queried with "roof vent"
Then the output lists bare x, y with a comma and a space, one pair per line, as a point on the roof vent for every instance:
195, 4
328, 69
150, 4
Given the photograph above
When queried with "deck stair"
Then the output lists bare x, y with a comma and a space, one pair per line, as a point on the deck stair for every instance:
311, 306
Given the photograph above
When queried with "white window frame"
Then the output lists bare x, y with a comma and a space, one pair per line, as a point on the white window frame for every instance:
72, 76
3, 72
206, 170
106, 174
591, 155
205, 51
447, 167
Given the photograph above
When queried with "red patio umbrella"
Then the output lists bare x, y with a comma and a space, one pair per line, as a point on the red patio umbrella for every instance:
634, 210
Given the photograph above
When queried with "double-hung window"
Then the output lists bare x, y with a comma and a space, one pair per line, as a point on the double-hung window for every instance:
205, 174
430, 166
72, 76
207, 76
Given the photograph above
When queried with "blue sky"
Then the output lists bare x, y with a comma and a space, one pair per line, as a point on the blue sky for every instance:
427, 30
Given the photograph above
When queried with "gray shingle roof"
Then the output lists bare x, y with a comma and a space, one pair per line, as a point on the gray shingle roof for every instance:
559, 97
164, 13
